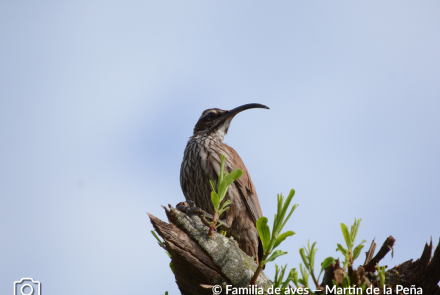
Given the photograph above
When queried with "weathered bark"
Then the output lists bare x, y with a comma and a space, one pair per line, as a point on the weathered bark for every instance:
423, 273
199, 260
386, 247
369, 254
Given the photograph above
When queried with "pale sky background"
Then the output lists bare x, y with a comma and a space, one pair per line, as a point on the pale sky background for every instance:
98, 100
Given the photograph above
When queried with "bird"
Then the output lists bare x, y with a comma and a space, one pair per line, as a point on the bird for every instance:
201, 163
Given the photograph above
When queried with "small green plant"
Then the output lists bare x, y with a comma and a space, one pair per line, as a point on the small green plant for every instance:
349, 253
350, 237
279, 276
308, 257
162, 244
224, 181
381, 273
271, 242
304, 276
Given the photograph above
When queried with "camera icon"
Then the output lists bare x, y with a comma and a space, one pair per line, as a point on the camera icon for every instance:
27, 286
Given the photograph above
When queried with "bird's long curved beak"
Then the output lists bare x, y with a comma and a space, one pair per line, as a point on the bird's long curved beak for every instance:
244, 107
247, 107
225, 120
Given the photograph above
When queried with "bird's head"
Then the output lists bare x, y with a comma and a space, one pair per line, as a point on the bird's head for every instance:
216, 121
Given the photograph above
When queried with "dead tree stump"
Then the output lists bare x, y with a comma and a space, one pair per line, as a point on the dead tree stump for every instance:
200, 262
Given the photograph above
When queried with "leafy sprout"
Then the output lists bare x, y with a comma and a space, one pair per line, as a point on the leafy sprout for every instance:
350, 238
272, 240
224, 181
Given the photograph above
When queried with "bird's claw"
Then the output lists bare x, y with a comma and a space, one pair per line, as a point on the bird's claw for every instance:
189, 207
191, 203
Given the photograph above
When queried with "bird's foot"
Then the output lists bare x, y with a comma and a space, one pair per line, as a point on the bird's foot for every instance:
189, 208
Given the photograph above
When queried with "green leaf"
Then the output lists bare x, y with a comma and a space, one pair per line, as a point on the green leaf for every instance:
226, 203
346, 282
346, 235
281, 221
215, 200
282, 237
220, 212
227, 181
292, 276
381, 273
264, 231
212, 185
280, 199
357, 251
312, 256
221, 173
364, 287
277, 271
347, 259
290, 214
275, 220
342, 249
305, 276
304, 257
355, 228
157, 238
327, 262
279, 279
275, 254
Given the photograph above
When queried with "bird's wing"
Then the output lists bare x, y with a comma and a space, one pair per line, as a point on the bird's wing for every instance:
245, 185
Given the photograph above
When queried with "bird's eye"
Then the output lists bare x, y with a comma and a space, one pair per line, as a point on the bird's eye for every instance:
210, 116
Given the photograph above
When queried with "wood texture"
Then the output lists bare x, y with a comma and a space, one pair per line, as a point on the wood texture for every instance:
424, 272
200, 260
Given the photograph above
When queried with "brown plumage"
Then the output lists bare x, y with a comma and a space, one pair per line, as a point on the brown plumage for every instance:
201, 163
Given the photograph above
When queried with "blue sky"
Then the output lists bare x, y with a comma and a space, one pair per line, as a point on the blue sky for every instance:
98, 99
